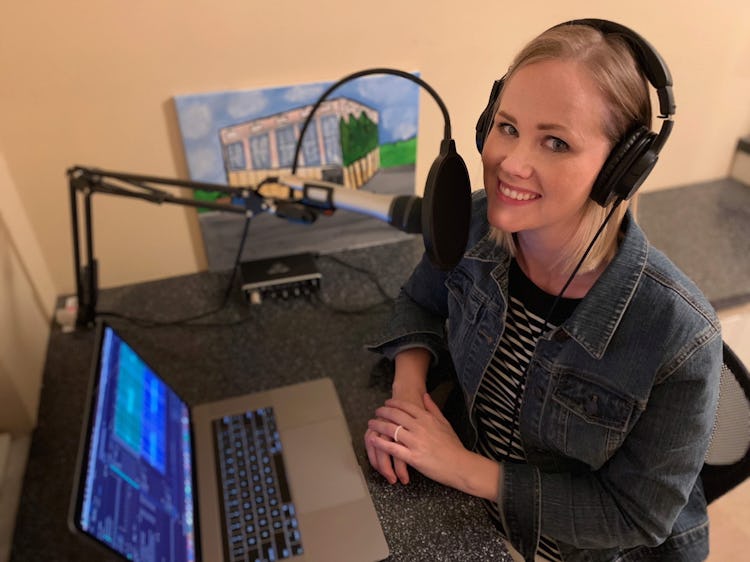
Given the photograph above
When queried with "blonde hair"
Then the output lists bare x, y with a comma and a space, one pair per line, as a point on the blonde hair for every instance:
621, 82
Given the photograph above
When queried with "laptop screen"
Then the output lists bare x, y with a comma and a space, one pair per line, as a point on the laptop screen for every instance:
136, 491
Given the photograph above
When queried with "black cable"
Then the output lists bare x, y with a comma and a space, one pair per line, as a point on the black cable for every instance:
367, 72
369, 274
387, 299
521, 383
298, 148
185, 322
189, 320
580, 262
353, 311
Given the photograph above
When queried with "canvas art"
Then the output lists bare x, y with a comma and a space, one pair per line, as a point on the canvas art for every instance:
362, 136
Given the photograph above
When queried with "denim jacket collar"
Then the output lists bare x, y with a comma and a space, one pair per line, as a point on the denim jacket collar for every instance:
597, 316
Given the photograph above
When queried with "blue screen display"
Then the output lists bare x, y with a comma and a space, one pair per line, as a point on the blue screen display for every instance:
138, 486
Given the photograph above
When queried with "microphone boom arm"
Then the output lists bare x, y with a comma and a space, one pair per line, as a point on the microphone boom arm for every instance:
84, 182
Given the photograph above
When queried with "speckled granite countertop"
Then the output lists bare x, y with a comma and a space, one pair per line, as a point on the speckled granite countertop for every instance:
275, 343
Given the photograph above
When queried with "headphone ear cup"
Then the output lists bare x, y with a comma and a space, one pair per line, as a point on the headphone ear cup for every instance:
487, 116
482, 128
626, 168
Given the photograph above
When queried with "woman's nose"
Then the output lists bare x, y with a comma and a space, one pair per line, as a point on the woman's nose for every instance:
518, 160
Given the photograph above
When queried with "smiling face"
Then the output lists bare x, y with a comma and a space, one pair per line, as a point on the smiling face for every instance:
544, 151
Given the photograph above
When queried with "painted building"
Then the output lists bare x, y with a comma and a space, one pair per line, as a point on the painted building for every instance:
257, 149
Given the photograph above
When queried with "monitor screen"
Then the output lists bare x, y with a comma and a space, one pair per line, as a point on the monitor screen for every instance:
136, 492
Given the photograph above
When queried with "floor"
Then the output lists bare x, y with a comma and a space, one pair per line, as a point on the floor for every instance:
713, 250
729, 515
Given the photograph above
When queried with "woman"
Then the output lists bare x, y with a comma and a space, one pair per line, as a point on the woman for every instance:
591, 390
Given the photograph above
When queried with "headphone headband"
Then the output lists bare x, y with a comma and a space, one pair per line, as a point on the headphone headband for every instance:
648, 58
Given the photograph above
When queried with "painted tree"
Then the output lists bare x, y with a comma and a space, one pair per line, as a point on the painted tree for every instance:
359, 137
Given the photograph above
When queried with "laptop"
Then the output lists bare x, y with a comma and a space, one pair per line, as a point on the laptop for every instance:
260, 477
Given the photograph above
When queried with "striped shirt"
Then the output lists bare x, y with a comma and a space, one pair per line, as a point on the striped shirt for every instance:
498, 399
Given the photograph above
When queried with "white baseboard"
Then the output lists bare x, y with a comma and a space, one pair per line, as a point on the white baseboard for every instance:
14, 465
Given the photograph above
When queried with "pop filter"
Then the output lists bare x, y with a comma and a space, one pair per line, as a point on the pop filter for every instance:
446, 205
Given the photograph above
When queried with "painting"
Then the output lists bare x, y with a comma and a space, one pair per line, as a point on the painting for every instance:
362, 136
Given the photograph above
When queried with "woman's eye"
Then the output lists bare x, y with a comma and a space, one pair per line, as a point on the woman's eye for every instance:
507, 129
557, 145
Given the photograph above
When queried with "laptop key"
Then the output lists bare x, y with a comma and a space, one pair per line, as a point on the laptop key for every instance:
278, 462
281, 545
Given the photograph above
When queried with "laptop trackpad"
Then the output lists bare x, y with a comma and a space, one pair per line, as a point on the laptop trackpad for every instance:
322, 469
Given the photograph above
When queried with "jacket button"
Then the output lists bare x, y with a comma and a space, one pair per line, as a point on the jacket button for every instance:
560, 336
592, 406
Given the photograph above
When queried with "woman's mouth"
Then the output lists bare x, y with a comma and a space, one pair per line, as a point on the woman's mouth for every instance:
517, 194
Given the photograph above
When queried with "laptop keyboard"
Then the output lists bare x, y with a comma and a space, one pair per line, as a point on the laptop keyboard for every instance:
259, 517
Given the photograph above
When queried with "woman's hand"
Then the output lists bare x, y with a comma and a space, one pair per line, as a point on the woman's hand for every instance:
392, 469
425, 440
408, 386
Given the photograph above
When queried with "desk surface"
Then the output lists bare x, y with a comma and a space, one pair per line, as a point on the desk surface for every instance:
282, 342
248, 349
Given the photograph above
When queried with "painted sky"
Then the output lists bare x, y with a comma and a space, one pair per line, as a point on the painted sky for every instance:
201, 116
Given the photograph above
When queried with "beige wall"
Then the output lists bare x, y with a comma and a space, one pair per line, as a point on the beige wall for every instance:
27, 299
23, 343
90, 83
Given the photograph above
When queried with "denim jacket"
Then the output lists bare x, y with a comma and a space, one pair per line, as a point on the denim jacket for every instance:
618, 404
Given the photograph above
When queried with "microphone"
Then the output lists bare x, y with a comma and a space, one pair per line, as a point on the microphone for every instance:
442, 216
400, 211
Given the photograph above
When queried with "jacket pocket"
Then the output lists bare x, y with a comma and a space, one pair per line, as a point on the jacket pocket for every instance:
465, 302
592, 420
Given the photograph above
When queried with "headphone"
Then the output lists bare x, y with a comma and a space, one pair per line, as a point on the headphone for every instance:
632, 159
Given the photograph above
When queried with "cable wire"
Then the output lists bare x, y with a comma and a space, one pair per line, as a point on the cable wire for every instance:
144, 322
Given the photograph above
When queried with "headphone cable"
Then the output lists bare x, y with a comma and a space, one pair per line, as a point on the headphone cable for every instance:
580, 262
546, 325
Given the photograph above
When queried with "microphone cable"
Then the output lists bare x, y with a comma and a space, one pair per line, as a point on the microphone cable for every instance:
348, 78
190, 320
387, 298
359, 74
